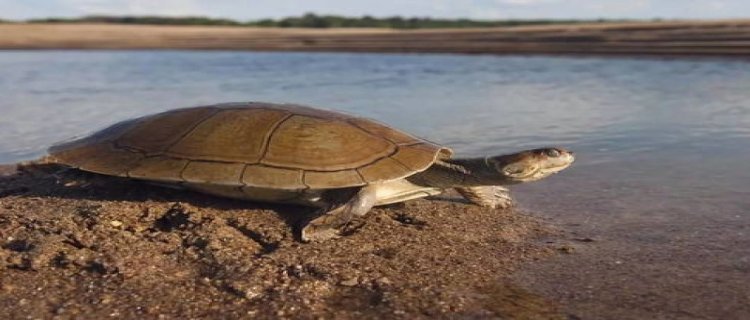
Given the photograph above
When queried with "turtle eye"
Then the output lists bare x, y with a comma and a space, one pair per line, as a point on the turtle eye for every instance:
552, 153
513, 170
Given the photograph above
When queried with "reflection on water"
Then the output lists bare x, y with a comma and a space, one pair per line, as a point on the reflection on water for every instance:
663, 145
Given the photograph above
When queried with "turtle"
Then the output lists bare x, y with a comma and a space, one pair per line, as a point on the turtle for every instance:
340, 164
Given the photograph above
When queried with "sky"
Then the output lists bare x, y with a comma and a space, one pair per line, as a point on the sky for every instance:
476, 9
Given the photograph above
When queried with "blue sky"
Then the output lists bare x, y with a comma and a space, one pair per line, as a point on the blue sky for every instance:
477, 9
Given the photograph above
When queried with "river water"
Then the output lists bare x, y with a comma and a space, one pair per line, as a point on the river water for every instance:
661, 184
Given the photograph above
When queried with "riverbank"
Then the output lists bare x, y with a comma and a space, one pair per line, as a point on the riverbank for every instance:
76, 246
722, 38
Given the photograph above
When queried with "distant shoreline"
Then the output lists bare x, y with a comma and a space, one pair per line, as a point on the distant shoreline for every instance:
697, 38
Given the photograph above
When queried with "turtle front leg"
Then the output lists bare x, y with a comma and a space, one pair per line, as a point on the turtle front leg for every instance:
339, 207
487, 196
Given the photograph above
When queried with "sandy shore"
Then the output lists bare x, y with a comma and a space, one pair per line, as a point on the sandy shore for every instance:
726, 38
83, 246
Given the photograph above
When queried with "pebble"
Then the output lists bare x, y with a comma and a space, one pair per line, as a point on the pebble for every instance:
115, 223
566, 249
350, 282
383, 281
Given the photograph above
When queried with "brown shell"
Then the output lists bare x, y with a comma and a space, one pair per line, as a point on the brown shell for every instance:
252, 144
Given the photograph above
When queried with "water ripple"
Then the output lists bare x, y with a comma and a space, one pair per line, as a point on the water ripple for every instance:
475, 104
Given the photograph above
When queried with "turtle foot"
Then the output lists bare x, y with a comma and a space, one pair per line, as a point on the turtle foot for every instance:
494, 197
312, 233
335, 217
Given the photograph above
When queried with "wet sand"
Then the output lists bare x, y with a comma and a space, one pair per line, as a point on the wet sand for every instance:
81, 246
725, 38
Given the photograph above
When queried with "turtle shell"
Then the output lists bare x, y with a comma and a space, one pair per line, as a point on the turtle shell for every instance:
276, 146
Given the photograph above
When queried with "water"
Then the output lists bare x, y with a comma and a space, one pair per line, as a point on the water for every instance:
663, 146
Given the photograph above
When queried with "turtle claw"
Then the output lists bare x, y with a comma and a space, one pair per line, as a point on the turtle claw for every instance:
327, 225
503, 201
332, 219
312, 233
495, 197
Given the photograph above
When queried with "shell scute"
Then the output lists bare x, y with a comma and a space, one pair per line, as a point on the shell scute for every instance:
160, 167
323, 145
418, 157
213, 172
154, 134
386, 167
101, 158
216, 137
383, 131
270, 177
322, 180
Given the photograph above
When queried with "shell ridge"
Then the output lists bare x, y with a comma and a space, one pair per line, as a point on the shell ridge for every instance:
269, 135
402, 164
143, 153
201, 174
361, 176
192, 128
182, 171
395, 151
339, 146
370, 133
89, 162
302, 179
242, 176
294, 168
184, 167
409, 144
179, 179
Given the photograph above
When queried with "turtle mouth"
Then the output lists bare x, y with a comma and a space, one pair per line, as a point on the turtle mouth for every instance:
560, 164
541, 173
550, 171
553, 165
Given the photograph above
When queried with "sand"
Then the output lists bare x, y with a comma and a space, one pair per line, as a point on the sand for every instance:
75, 245
722, 37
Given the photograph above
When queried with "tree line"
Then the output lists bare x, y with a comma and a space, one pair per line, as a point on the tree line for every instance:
311, 20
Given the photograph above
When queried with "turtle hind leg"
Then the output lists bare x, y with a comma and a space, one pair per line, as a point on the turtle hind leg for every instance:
339, 207
487, 196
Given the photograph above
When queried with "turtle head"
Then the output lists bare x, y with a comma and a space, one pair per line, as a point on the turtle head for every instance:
531, 165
